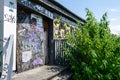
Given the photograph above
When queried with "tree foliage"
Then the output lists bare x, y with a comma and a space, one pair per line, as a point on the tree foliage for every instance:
97, 51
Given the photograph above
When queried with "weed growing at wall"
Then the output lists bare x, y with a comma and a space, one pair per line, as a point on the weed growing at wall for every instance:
97, 51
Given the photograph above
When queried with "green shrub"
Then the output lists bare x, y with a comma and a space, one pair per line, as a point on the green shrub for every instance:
97, 51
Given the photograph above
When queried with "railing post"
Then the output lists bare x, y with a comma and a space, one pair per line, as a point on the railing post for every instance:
8, 59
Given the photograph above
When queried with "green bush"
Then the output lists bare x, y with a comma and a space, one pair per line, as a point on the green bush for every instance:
97, 51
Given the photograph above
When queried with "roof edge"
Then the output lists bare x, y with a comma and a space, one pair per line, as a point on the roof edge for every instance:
64, 8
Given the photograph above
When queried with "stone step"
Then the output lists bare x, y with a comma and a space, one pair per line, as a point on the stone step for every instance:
40, 73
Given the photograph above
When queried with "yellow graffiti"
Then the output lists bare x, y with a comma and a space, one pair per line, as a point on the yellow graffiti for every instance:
61, 28
56, 23
62, 33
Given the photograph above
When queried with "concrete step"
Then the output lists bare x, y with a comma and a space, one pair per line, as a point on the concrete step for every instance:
65, 75
40, 73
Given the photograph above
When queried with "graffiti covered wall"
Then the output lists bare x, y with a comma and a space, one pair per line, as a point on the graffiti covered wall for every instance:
30, 40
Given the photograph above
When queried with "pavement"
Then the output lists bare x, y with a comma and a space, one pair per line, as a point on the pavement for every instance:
39, 73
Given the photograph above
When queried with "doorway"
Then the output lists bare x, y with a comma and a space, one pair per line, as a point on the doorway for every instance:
30, 41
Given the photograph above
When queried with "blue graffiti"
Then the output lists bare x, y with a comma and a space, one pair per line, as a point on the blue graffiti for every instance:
37, 61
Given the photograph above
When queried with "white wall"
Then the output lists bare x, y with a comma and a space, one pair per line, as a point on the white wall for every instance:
8, 24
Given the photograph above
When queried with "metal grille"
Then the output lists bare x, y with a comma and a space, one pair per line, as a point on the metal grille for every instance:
60, 57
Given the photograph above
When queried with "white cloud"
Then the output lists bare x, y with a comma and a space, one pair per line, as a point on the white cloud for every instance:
115, 29
113, 19
114, 10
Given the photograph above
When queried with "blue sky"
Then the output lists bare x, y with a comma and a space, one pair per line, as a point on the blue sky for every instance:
98, 7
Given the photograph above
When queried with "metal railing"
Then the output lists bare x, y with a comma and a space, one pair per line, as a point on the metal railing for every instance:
61, 58
7, 59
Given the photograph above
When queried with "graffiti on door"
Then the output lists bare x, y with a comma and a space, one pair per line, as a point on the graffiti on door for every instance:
30, 39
